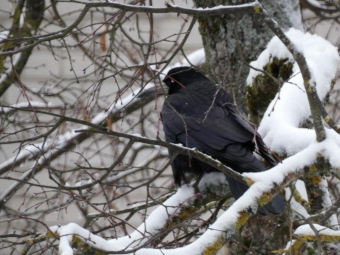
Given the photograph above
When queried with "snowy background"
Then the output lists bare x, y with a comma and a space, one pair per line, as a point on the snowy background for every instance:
290, 110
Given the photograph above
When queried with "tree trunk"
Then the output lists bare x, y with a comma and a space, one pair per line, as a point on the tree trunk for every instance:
226, 55
223, 59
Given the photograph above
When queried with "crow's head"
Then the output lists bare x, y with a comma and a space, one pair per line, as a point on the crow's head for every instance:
180, 77
176, 79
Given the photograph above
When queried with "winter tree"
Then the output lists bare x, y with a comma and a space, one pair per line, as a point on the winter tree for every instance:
84, 165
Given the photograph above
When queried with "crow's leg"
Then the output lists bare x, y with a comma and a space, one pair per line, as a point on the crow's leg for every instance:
198, 194
195, 185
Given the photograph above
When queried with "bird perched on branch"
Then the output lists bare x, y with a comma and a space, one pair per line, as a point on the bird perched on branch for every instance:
199, 114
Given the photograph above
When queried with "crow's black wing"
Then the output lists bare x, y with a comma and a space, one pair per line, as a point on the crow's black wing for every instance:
210, 127
216, 122
215, 128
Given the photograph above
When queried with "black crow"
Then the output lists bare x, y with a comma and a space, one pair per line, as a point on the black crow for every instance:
199, 114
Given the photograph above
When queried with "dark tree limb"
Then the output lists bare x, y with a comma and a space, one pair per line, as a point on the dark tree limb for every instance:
34, 14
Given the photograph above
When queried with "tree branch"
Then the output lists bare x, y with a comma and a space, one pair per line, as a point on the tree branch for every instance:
301, 61
222, 10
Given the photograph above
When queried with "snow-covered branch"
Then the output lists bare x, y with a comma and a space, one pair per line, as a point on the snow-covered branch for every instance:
309, 81
116, 177
280, 127
179, 207
265, 186
307, 233
282, 123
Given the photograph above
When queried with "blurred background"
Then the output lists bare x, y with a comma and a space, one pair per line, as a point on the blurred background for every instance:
108, 57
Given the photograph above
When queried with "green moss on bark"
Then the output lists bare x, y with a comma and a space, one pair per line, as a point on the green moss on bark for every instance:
263, 89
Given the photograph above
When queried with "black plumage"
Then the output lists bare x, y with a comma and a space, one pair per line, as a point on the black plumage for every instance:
197, 113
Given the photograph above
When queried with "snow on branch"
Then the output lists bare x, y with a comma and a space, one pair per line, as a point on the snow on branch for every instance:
260, 193
264, 187
311, 233
281, 126
290, 107
322, 9
212, 239
309, 80
299, 100
178, 208
155, 222
280, 130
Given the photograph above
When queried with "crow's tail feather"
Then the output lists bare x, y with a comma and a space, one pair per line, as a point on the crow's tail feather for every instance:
276, 206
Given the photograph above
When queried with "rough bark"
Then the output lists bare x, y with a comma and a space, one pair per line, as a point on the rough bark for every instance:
227, 65
223, 59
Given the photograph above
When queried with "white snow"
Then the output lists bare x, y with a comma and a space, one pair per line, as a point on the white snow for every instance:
280, 131
280, 125
285, 114
326, 199
315, 3
298, 209
216, 178
155, 221
301, 188
196, 58
66, 237
294, 163
289, 245
307, 230
219, 7
157, 218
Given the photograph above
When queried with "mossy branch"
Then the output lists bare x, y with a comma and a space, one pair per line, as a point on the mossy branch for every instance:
297, 196
211, 198
300, 240
301, 61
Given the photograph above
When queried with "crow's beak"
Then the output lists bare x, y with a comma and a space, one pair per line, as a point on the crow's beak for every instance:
153, 91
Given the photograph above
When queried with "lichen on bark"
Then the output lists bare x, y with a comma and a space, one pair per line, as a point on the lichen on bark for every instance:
222, 58
263, 88
313, 177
